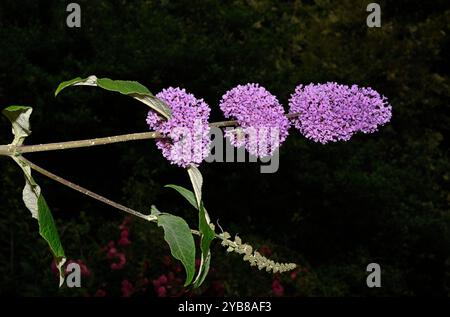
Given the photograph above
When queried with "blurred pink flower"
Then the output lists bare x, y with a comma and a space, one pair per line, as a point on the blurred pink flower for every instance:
112, 252
122, 261
277, 288
125, 223
127, 288
160, 281
163, 279
161, 292
124, 241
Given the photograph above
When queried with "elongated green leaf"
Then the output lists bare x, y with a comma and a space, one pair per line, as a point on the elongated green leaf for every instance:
197, 182
181, 242
125, 87
207, 236
20, 121
35, 202
47, 228
186, 193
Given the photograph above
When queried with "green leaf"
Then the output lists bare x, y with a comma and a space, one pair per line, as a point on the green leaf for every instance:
207, 236
20, 121
35, 202
47, 228
181, 242
186, 193
16, 108
197, 182
206, 233
125, 87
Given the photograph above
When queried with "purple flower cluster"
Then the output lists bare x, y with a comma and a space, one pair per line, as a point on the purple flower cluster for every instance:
187, 131
262, 123
331, 112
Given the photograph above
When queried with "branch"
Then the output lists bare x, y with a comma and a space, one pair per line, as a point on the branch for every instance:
11, 149
16, 150
96, 196
255, 258
88, 192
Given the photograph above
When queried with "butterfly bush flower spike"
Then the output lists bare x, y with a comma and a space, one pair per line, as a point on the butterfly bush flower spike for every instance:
332, 112
263, 127
187, 131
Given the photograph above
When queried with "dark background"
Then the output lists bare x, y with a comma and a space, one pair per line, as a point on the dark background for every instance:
332, 209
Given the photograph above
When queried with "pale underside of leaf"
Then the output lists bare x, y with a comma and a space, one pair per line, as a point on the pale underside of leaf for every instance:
20, 121
197, 182
30, 196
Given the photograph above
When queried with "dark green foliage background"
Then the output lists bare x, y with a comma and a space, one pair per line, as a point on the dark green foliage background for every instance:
379, 198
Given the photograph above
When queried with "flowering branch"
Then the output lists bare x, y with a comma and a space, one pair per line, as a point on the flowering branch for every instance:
330, 113
16, 150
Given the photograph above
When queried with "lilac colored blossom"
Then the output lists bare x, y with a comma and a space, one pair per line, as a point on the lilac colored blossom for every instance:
331, 112
187, 131
262, 123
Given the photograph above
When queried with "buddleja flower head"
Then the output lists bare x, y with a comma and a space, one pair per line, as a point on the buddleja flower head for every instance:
331, 112
262, 123
187, 131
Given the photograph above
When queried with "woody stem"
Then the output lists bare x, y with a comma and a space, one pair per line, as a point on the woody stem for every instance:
17, 150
